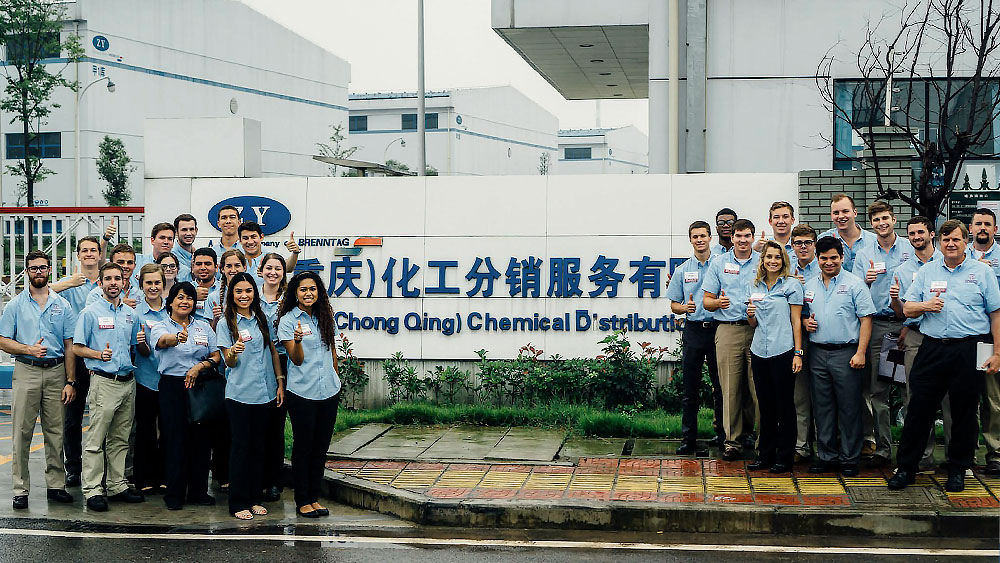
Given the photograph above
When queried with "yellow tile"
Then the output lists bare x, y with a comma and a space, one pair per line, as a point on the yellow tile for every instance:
380, 476
592, 482
454, 479
504, 480
820, 486
682, 484
637, 483
416, 478
864, 481
547, 481
773, 485
735, 485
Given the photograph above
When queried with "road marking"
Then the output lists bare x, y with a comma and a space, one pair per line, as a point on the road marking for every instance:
544, 544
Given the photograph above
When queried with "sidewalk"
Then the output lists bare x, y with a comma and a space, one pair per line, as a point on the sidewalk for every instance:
506, 480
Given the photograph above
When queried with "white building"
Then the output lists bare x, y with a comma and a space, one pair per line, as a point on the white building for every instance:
183, 58
470, 131
619, 150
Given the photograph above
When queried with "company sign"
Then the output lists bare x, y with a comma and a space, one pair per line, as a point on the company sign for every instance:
271, 215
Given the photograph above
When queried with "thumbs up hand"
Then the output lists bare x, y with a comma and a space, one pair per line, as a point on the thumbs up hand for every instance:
934, 305
811, 324
298, 334
291, 245
217, 311
690, 304
140, 337
871, 274
723, 300
238, 347
759, 245
77, 278
751, 309
112, 229
894, 289
799, 276
106, 353
182, 336
37, 349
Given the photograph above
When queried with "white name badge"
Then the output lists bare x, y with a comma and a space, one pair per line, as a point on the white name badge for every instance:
105, 322
306, 330
245, 336
879, 267
149, 324
809, 296
842, 289
939, 287
731, 268
690, 277
755, 297
199, 305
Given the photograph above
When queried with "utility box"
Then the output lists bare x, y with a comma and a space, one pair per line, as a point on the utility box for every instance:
211, 147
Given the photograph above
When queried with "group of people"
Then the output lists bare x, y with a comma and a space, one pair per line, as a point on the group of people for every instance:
135, 337
792, 330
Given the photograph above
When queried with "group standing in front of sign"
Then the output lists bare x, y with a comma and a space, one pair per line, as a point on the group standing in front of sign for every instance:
792, 331
187, 366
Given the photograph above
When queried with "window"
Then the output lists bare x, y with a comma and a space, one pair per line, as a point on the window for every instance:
409, 122
44, 145
577, 153
357, 123
45, 46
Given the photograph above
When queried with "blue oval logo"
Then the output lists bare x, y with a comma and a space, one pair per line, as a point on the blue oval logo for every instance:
271, 215
101, 43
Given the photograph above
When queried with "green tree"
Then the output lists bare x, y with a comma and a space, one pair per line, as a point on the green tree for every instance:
30, 31
115, 167
335, 147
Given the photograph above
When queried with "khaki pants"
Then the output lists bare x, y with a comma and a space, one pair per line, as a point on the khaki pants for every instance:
875, 414
912, 341
732, 353
38, 392
112, 406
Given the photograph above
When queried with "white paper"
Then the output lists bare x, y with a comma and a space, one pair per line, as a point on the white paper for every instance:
886, 369
983, 352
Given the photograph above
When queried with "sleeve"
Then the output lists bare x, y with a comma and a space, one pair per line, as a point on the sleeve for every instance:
863, 303
861, 260
8, 321
69, 326
222, 335
286, 327
675, 289
159, 329
136, 327
991, 292
84, 327
93, 296
794, 291
914, 292
712, 284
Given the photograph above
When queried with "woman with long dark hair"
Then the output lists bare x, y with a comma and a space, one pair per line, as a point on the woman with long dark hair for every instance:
253, 389
307, 331
272, 282
185, 346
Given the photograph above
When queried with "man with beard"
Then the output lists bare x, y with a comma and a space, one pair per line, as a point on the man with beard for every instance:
984, 248
203, 276
724, 221
37, 329
123, 255
161, 240
106, 333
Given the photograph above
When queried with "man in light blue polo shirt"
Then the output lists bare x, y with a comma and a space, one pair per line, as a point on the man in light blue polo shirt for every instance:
161, 240
684, 293
844, 215
204, 266
725, 218
839, 308
877, 265
781, 218
804, 268
958, 300
984, 248
185, 231
228, 221
123, 255
804, 264
105, 335
726, 293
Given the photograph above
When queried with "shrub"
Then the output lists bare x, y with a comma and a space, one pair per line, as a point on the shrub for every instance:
403, 380
351, 371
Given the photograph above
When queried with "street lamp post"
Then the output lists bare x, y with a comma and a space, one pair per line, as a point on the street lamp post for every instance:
402, 143
76, 137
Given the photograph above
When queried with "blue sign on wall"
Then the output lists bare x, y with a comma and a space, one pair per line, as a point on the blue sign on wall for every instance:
101, 43
271, 215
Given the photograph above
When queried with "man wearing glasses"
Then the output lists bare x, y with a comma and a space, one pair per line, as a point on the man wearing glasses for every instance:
161, 240
805, 267
724, 221
37, 329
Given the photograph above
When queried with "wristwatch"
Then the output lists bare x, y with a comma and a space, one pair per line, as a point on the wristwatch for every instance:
71, 383
800, 353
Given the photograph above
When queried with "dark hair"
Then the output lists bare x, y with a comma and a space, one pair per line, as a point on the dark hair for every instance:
726, 211
90, 238
187, 288
36, 255
828, 243
222, 263
159, 259
322, 310
255, 310
159, 227
920, 219
249, 226
225, 207
205, 251
879, 206
744, 224
109, 266
950, 225
804, 230
284, 266
122, 247
700, 225
986, 211
184, 217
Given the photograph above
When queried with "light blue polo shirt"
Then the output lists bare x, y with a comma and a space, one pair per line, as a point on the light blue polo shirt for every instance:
866, 240
993, 255
25, 322
183, 256
773, 335
316, 378
77, 296
899, 253
838, 307
217, 246
177, 360
809, 271
251, 381
97, 294
101, 324
147, 371
970, 293
718, 250
270, 309
906, 273
727, 273
686, 281
202, 309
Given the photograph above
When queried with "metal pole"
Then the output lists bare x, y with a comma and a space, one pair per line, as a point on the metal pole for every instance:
76, 132
421, 103
673, 89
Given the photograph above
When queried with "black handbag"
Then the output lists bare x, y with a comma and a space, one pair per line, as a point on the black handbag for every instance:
207, 399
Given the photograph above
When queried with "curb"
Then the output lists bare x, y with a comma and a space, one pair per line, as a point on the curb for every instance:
653, 517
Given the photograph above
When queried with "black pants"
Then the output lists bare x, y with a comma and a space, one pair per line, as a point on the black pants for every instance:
776, 398
221, 443
249, 424
940, 368
274, 447
147, 464
699, 348
73, 421
185, 445
312, 428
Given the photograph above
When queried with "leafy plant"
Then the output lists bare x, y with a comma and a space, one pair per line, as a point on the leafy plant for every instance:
114, 167
448, 381
626, 378
352, 371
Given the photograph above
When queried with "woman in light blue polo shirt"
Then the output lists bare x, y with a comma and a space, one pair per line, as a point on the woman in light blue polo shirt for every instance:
185, 345
307, 331
147, 463
272, 282
253, 390
775, 311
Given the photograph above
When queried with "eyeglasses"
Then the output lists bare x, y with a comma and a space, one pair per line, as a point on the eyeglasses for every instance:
724, 222
37, 269
803, 242
169, 266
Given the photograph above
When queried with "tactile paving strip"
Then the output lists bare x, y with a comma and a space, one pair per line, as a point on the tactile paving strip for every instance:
773, 485
727, 485
682, 484
822, 486
864, 481
457, 479
547, 481
637, 483
503, 480
592, 482
382, 476
416, 478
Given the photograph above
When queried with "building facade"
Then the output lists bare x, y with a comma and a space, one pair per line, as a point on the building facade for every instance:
619, 150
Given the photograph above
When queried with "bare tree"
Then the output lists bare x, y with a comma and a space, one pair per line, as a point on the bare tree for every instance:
935, 68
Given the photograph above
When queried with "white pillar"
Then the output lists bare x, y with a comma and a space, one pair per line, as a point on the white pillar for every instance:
673, 85
658, 86
421, 94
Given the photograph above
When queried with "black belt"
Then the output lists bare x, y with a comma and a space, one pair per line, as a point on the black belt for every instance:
742, 322
887, 318
699, 324
833, 347
973, 338
119, 378
44, 364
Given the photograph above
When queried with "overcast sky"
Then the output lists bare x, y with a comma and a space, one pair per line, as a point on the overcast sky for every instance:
378, 38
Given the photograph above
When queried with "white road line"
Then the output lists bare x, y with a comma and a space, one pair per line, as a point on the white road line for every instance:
546, 544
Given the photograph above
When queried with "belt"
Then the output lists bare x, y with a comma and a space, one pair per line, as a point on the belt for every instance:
119, 378
832, 347
887, 318
742, 322
699, 324
973, 338
45, 364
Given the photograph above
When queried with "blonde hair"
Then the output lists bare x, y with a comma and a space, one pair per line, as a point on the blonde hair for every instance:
785, 266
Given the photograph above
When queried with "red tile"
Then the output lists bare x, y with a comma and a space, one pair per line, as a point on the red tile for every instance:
469, 467
822, 500
974, 502
457, 492
731, 498
511, 468
598, 465
553, 469
495, 493
589, 495
639, 467
386, 464
681, 497
785, 500
681, 467
427, 466
345, 464
540, 495
634, 496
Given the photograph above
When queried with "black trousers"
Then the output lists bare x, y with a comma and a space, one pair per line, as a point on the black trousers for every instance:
147, 464
185, 445
312, 428
249, 425
221, 439
940, 368
274, 447
776, 398
73, 421
699, 348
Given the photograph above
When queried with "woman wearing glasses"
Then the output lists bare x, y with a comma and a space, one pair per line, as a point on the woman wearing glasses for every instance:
171, 267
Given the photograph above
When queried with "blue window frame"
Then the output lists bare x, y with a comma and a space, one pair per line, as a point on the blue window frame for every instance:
409, 121
577, 153
357, 123
45, 145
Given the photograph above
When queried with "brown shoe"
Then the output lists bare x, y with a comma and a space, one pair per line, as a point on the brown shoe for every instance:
868, 449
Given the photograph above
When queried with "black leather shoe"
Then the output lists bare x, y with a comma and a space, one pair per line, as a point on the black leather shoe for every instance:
820, 466
992, 468
956, 480
272, 495
901, 479
849, 470
73, 480
731, 454
59, 495
759, 466
780, 468
21, 502
97, 503
717, 442
748, 441
323, 511
204, 500
128, 496
687, 448
172, 503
